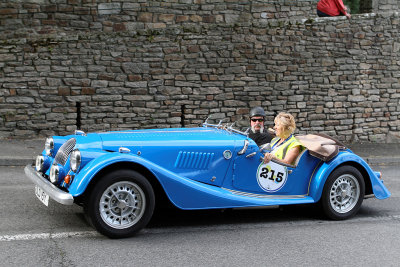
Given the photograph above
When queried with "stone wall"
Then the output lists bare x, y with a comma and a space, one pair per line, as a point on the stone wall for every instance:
141, 64
387, 6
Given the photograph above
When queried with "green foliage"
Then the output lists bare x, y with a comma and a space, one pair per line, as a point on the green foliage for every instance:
354, 5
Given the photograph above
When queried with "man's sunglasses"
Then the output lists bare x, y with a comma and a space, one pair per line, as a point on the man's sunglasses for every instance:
259, 120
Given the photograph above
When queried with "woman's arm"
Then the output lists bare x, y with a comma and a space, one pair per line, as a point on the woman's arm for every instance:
290, 157
342, 8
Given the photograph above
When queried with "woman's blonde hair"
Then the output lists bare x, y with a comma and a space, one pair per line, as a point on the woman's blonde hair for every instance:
287, 120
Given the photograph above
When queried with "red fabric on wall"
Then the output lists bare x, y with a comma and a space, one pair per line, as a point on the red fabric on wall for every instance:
331, 7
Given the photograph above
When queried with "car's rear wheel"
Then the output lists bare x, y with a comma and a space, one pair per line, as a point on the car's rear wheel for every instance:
343, 193
120, 204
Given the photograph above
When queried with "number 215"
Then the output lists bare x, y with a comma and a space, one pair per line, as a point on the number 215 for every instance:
264, 174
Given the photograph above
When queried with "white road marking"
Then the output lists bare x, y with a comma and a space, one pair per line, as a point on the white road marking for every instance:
172, 230
25, 237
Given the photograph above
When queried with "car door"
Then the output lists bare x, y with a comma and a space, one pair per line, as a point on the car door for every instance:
251, 175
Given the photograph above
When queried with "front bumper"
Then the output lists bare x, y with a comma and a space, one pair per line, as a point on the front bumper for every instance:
50, 189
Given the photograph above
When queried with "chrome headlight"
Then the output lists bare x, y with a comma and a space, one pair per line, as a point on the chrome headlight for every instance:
39, 163
49, 145
75, 160
54, 172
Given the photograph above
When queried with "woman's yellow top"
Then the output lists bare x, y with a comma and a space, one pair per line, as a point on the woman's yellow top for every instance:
280, 151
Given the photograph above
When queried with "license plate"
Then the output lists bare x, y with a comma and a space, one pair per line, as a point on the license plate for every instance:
41, 195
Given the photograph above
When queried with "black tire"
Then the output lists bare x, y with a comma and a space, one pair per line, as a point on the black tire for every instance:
343, 193
121, 204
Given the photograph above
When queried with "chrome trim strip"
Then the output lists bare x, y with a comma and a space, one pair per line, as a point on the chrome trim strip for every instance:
246, 194
50, 189
124, 150
80, 132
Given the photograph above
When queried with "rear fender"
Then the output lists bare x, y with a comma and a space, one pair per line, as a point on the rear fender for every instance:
346, 158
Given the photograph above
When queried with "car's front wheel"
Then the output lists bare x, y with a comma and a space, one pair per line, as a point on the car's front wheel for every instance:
120, 204
343, 193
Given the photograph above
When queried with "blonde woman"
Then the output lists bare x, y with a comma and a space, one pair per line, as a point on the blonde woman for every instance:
285, 147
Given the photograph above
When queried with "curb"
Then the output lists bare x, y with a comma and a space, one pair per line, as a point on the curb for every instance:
15, 161
383, 160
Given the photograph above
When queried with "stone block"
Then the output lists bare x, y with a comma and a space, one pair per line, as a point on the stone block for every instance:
136, 68
166, 17
99, 84
108, 8
356, 98
140, 84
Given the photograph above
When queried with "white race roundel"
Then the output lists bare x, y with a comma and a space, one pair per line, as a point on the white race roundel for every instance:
271, 176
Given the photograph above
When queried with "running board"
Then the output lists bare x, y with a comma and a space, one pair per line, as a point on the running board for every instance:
274, 199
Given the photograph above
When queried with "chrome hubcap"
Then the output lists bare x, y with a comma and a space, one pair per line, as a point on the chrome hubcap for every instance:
122, 205
344, 193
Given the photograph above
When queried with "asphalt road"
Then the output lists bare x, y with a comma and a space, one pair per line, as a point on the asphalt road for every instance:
33, 235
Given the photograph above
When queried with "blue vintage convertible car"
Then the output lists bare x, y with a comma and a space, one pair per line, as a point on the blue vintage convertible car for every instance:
119, 177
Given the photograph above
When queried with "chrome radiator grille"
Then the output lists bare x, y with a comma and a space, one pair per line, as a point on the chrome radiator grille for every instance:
64, 151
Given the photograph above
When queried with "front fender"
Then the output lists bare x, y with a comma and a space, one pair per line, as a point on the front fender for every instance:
343, 158
86, 174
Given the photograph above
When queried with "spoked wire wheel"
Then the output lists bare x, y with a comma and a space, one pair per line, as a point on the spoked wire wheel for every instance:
122, 205
344, 193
